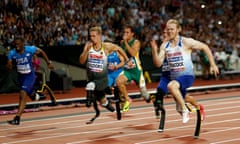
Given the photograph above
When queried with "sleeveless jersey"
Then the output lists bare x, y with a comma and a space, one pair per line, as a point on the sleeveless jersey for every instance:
97, 63
135, 60
23, 61
113, 59
179, 62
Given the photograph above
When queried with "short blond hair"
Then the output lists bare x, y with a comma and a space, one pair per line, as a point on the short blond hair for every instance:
98, 29
174, 21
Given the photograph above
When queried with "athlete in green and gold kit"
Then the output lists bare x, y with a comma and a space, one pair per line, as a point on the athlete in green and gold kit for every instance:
133, 69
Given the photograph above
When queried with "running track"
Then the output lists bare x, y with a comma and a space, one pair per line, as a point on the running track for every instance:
66, 124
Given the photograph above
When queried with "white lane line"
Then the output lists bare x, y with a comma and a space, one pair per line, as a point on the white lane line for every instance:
174, 114
110, 122
168, 108
141, 133
227, 141
115, 128
167, 139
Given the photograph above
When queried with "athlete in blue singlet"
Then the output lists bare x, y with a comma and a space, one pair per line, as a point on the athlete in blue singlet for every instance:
22, 57
115, 67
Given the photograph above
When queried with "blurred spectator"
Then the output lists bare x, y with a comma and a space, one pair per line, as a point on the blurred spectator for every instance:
51, 22
206, 73
221, 58
36, 63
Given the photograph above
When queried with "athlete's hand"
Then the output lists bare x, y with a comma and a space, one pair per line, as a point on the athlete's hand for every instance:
88, 46
124, 37
214, 69
111, 66
154, 45
51, 66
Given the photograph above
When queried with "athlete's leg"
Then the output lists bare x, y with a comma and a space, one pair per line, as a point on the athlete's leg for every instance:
111, 81
159, 106
121, 84
90, 87
174, 89
158, 103
27, 88
178, 89
192, 101
143, 88
161, 92
100, 95
117, 102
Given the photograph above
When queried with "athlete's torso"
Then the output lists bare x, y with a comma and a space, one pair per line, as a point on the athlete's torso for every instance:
113, 59
136, 63
97, 63
24, 60
178, 61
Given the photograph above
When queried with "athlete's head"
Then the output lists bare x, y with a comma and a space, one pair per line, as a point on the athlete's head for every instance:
128, 32
95, 34
173, 28
19, 42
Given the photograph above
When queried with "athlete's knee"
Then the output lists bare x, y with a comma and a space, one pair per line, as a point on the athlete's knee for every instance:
173, 85
23, 94
121, 80
159, 96
160, 93
90, 86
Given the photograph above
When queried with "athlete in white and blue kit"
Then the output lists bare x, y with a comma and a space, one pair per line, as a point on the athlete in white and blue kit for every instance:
177, 66
22, 57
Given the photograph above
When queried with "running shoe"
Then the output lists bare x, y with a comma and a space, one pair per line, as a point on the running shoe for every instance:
126, 106
15, 121
37, 96
202, 112
185, 116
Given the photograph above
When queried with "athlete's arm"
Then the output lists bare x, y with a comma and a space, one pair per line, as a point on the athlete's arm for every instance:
158, 57
122, 62
113, 47
197, 45
45, 57
84, 54
134, 49
9, 64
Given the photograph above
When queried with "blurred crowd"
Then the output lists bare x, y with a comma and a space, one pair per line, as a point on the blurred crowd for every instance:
66, 22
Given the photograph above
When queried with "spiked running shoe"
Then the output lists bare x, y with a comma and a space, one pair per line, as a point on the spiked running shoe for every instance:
126, 106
